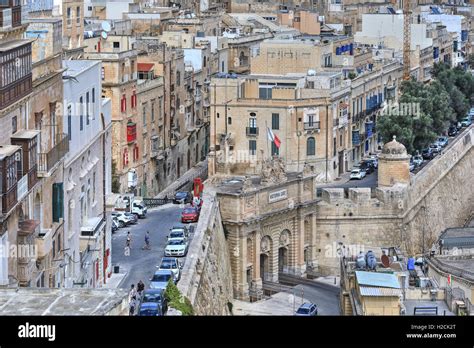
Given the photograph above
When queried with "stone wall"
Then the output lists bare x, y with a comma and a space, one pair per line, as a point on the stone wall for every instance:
207, 277
410, 216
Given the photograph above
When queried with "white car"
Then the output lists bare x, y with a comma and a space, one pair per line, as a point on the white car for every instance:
172, 264
123, 220
358, 174
176, 247
177, 233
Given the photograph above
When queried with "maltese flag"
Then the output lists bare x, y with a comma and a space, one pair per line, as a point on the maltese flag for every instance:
273, 137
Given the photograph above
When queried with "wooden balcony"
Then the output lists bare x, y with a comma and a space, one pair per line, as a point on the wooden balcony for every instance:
10, 17
47, 160
9, 199
15, 91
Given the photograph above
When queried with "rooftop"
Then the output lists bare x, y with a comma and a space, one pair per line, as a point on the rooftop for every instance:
385, 280
77, 67
235, 184
8, 150
34, 301
7, 46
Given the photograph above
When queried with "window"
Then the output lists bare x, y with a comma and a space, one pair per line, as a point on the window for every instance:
144, 115
59, 243
87, 108
178, 78
116, 44
340, 139
229, 120
275, 149
152, 111
57, 201
265, 93
252, 147
93, 95
252, 122
69, 122
68, 12
14, 124
123, 103
334, 146
78, 15
81, 116
133, 100
103, 73
310, 147
275, 121
54, 248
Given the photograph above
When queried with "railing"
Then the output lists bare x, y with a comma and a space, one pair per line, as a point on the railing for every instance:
251, 130
311, 125
9, 199
46, 161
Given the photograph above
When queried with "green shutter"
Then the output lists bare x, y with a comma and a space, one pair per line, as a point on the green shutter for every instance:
58, 198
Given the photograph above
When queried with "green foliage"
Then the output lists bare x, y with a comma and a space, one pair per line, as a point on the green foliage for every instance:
446, 99
176, 300
352, 75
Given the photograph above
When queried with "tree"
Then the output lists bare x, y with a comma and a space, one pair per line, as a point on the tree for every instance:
176, 300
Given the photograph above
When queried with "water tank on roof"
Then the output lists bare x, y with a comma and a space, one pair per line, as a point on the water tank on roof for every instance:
311, 72
371, 260
360, 262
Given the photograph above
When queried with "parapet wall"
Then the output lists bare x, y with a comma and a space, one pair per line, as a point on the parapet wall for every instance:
207, 276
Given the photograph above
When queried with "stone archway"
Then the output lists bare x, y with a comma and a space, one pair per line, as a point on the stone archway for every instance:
266, 258
284, 251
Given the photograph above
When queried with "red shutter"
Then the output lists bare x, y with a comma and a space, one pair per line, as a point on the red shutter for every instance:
124, 103
125, 157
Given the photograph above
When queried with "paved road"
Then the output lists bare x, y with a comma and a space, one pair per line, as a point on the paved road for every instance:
369, 181
324, 296
141, 264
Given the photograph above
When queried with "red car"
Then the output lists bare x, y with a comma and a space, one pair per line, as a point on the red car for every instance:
190, 215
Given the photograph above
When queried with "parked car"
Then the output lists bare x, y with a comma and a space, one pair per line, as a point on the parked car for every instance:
190, 214
307, 309
133, 217
172, 264
417, 160
123, 220
115, 224
435, 148
153, 303
466, 122
452, 131
427, 153
373, 161
177, 234
367, 167
176, 247
357, 174
181, 228
182, 197
443, 141
160, 279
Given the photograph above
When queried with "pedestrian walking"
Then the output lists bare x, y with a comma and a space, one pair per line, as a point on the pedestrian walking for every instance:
147, 241
132, 299
129, 240
140, 288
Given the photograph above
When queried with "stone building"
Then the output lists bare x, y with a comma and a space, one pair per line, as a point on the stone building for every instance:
119, 83
72, 14
32, 212
279, 222
88, 174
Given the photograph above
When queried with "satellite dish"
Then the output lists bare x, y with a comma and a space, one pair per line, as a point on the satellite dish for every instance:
104, 35
385, 261
106, 26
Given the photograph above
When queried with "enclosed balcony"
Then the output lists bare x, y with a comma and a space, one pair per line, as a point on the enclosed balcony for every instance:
10, 14
15, 71
10, 162
48, 160
251, 131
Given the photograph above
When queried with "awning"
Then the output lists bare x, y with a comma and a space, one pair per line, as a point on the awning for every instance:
92, 226
145, 67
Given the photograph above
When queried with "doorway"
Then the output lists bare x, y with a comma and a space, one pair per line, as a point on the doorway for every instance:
283, 259
264, 267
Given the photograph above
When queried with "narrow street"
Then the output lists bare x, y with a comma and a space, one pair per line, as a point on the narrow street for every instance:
141, 264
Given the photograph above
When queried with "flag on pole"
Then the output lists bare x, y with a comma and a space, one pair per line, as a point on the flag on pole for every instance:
273, 137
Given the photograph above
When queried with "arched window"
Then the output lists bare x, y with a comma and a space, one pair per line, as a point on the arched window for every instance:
310, 147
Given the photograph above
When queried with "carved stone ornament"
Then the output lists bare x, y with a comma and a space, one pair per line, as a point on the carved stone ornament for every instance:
273, 171
308, 169
265, 245
284, 238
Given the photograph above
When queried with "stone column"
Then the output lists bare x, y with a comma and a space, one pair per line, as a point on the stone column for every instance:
256, 261
242, 285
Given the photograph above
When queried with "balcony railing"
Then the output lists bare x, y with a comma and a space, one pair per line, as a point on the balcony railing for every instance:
251, 131
312, 125
9, 199
46, 161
